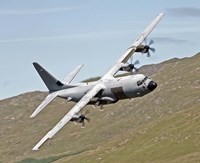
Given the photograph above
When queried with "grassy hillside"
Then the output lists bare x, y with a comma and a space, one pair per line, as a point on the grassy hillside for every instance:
163, 126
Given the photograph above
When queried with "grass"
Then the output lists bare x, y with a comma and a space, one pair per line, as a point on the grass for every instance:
172, 138
160, 127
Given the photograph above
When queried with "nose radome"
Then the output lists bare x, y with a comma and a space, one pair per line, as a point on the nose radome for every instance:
152, 85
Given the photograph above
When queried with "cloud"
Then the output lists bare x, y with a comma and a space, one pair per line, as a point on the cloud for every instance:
77, 36
15, 40
168, 40
185, 11
58, 37
37, 11
72, 36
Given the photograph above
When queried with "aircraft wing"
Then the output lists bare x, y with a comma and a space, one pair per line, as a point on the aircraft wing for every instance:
84, 101
125, 57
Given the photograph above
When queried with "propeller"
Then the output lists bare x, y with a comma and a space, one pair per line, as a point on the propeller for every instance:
132, 65
149, 48
83, 117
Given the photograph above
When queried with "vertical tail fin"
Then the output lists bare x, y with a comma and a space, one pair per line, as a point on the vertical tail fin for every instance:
50, 81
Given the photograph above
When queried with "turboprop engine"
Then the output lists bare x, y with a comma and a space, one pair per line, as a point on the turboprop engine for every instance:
146, 48
81, 119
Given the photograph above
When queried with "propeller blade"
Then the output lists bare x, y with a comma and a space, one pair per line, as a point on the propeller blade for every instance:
136, 62
152, 49
150, 42
145, 41
87, 119
136, 70
148, 54
131, 59
83, 124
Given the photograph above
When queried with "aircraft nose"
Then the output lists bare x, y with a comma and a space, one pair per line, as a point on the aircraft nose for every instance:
152, 85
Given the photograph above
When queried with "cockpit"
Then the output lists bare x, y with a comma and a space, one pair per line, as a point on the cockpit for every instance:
140, 82
151, 85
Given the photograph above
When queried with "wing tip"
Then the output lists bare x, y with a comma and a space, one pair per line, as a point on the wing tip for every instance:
162, 14
35, 149
32, 116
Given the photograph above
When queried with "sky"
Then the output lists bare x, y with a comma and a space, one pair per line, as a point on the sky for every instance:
61, 34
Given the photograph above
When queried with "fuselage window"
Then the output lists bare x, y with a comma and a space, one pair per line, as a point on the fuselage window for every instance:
140, 82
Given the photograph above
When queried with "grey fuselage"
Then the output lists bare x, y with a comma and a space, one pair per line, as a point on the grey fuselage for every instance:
115, 89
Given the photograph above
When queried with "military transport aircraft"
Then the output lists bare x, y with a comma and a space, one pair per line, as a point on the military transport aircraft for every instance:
108, 89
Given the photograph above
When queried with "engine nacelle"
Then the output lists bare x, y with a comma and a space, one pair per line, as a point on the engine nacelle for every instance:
127, 67
77, 118
142, 49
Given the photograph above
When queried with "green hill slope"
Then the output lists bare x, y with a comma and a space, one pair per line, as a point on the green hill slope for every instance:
163, 126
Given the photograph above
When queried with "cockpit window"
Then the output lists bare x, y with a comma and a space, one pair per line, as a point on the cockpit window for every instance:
140, 82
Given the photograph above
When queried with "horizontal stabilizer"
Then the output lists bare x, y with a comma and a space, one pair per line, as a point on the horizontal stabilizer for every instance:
47, 100
71, 76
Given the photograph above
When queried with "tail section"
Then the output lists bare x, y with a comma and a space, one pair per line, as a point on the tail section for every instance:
50, 81
53, 85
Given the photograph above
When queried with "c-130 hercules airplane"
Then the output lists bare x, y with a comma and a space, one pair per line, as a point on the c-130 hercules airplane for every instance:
106, 90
